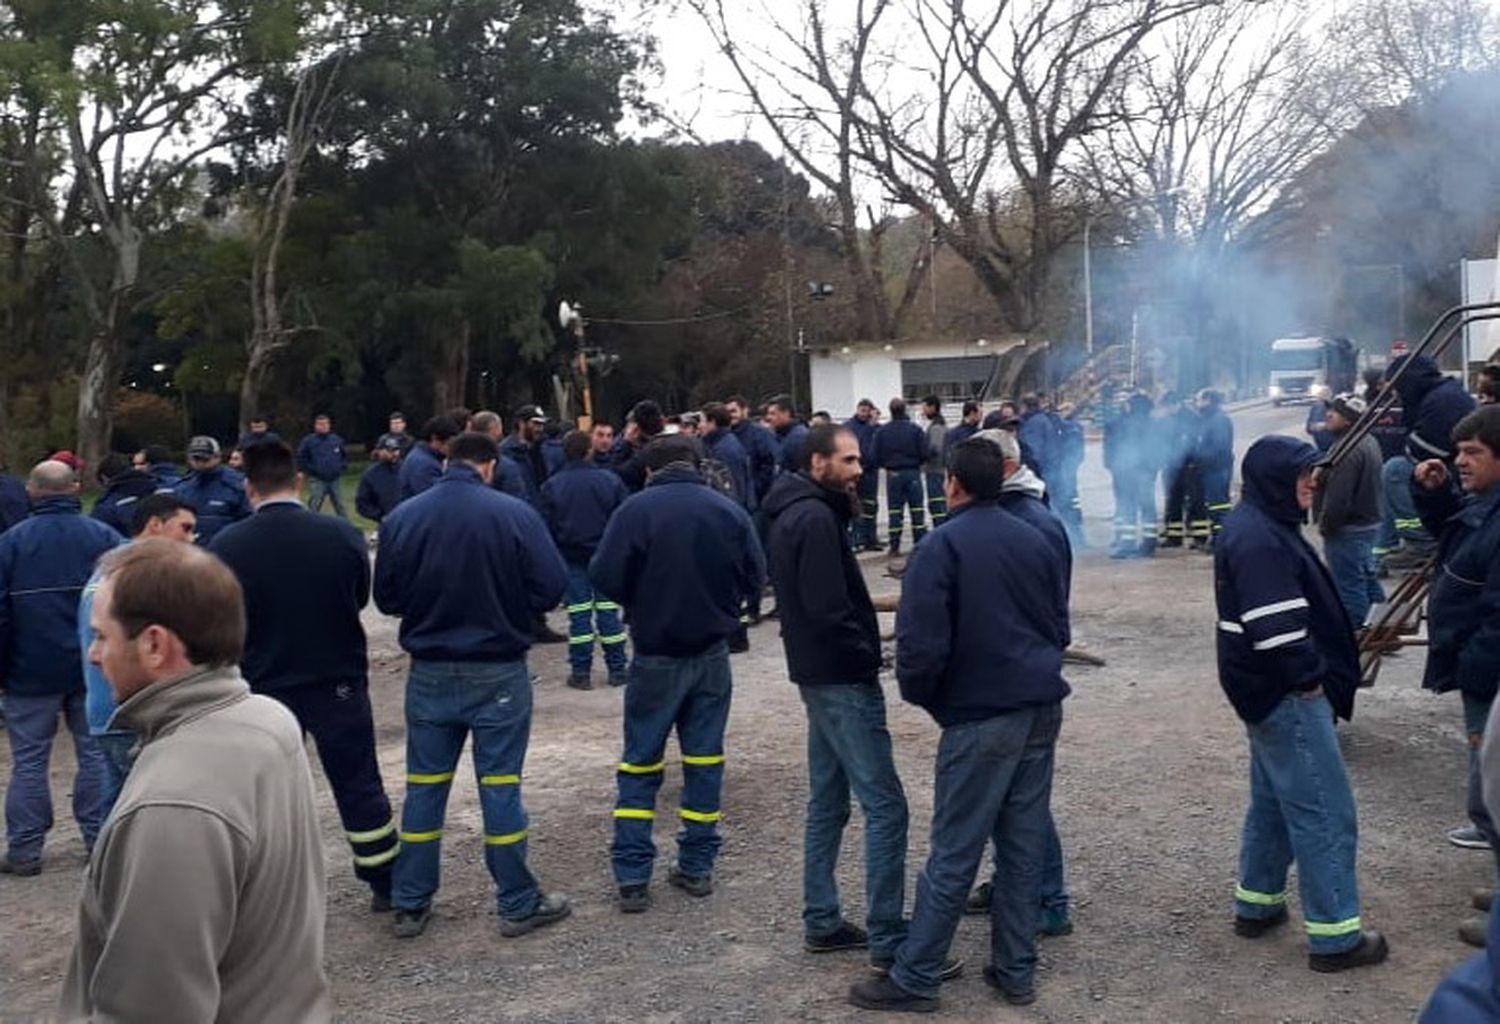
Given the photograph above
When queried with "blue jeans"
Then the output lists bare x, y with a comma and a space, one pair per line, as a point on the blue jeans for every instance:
445, 702
318, 490
994, 782
591, 616
937, 499
868, 489
1302, 809
903, 490
1476, 714
849, 748
1351, 562
690, 695
115, 745
1405, 526
31, 723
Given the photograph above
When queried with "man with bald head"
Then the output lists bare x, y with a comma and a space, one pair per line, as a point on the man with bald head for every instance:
45, 561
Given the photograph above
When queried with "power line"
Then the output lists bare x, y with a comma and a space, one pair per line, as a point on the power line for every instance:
673, 321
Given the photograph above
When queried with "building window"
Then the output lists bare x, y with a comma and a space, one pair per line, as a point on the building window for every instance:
951, 380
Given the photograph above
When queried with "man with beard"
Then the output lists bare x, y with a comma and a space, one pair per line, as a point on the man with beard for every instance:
833, 655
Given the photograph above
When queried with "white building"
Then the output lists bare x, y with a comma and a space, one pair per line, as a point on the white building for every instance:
953, 370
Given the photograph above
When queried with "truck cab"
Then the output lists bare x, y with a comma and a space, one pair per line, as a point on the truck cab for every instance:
1300, 365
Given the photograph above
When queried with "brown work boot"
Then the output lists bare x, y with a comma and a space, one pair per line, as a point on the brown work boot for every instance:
1472, 930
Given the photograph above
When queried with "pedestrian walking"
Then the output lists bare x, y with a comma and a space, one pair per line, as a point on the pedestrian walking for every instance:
901, 450
322, 458
45, 562
832, 643
1288, 664
577, 503
466, 568
205, 895
681, 559
306, 578
216, 492
979, 646
1347, 510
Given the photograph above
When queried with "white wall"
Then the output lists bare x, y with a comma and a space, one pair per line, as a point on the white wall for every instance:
840, 379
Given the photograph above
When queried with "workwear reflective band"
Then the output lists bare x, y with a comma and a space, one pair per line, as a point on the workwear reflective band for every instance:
587, 606
1422, 442
613, 638
505, 840
375, 860
421, 837
705, 759
586, 638
1279, 641
499, 780
1231, 627
634, 812
1337, 928
369, 837
705, 817
1408, 524
642, 769
1274, 609
1260, 899
606, 606
431, 779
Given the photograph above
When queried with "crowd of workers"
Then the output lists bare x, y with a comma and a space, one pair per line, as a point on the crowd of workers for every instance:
171, 661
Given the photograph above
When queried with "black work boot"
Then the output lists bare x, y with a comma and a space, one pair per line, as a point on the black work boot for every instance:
1255, 927
979, 899
884, 994
1372, 949
550, 908
846, 936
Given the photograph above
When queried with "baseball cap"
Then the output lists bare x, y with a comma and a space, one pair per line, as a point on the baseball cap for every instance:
67, 458
390, 442
202, 446
531, 413
1350, 406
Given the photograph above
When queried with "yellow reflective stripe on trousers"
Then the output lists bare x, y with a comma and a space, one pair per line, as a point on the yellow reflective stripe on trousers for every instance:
421, 837
613, 638
430, 779
706, 817
705, 759
499, 780
505, 840
606, 606
1334, 929
375, 860
642, 769
587, 638
1259, 899
634, 812
587, 606
388, 828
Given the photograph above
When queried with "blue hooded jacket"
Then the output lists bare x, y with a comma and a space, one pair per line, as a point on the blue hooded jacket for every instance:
760, 444
1040, 442
217, 496
1282, 627
978, 630
864, 431
790, 442
577, 502
116, 506
379, 490
322, 456
681, 558
466, 568
1432, 403
1463, 609
420, 469
45, 562
726, 448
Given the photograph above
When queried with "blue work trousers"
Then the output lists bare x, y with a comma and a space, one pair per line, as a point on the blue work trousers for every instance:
1216, 481
849, 748
903, 490
1351, 562
591, 617
863, 528
445, 703
994, 784
689, 695
937, 499
1402, 524
1301, 809
31, 724
1476, 714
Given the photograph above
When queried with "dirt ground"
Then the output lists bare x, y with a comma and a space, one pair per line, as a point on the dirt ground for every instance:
1151, 786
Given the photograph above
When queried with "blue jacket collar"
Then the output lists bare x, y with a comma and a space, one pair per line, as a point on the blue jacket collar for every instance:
58, 504
675, 476
975, 503
462, 473
1477, 507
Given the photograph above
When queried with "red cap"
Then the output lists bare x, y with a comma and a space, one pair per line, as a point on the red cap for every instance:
68, 459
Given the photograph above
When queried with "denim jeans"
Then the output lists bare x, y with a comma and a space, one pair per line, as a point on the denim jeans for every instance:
115, 746
1476, 714
994, 782
903, 490
591, 617
937, 499
31, 723
1301, 809
849, 748
445, 702
690, 695
1406, 526
318, 490
1351, 562
868, 489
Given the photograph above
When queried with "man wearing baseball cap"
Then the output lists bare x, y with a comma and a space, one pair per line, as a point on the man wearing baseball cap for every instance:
217, 496
524, 447
380, 487
1347, 509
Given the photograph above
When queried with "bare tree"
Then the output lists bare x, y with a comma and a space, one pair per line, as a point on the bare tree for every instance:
1393, 50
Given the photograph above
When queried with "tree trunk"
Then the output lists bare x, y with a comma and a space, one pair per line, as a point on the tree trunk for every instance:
257, 367
96, 394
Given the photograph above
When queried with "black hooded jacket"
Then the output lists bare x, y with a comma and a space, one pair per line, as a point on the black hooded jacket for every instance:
827, 621
1432, 404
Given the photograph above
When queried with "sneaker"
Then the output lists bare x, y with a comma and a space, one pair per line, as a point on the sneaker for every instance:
885, 994
1255, 927
1474, 931
1482, 899
618, 677
693, 885
952, 967
408, 924
550, 909
979, 899
845, 936
580, 681
1469, 838
1372, 949
1054, 922
1025, 998
21, 868
635, 899
380, 903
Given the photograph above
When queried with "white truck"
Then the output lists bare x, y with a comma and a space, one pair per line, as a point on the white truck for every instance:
1300, 365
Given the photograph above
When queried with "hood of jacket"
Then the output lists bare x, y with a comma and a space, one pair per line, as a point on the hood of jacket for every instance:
1270, 472
1422, 376
791, 488
1024, 481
